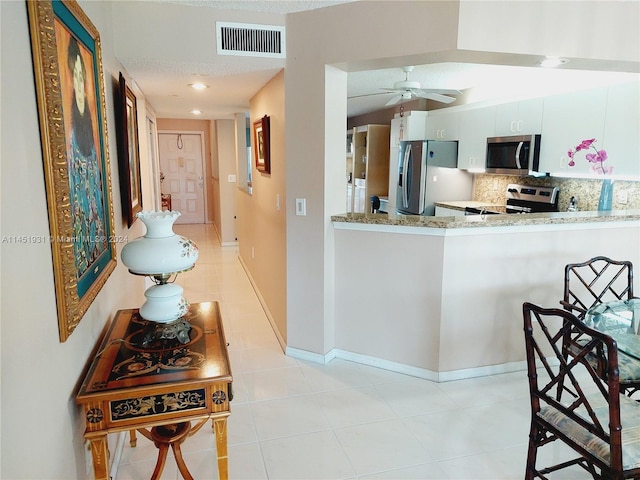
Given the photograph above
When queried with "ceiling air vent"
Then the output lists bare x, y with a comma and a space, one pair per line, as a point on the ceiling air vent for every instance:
250, 40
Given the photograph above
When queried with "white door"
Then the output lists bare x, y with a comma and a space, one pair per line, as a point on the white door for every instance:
181, 172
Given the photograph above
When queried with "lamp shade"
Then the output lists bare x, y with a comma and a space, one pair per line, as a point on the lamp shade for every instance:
160, 251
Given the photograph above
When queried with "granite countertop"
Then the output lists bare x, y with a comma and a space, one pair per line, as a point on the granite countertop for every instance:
462, 204
474, 221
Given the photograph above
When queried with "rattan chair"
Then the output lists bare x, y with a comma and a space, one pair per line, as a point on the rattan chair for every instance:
601, 425
593, 282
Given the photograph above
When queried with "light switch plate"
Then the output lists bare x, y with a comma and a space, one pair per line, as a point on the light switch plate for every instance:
301, 206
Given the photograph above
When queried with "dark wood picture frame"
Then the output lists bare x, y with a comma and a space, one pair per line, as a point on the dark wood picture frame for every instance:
128, 152
261, 146
65, 47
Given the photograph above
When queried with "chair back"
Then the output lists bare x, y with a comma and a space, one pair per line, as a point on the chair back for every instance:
595, 281
586, 412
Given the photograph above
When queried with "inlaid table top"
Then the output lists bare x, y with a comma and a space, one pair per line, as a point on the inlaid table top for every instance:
136, 381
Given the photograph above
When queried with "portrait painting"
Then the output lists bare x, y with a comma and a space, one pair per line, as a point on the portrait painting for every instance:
70, 92
261, 149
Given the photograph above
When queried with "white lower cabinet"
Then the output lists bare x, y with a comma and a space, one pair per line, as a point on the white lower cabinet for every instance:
448, 212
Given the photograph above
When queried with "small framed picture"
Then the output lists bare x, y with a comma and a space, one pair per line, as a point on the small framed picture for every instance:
128, 152
261, 144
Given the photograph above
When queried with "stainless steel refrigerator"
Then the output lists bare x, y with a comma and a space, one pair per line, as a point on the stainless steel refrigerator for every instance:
427, 173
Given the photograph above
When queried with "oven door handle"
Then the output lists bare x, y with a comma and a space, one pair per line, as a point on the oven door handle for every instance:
518, 155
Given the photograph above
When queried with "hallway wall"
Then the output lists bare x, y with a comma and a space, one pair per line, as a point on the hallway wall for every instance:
42, 429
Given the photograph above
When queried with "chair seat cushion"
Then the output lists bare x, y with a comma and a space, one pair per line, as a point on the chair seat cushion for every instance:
628, 367
630, 419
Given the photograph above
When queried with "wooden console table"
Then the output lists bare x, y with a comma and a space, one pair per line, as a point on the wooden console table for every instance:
130, 387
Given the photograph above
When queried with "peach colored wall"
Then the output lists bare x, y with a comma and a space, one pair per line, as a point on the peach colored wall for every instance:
261, 226
199, 126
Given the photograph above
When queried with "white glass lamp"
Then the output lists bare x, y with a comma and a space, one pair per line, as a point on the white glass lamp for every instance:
161, 254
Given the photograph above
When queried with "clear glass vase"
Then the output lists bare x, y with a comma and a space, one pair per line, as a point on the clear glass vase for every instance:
606, 195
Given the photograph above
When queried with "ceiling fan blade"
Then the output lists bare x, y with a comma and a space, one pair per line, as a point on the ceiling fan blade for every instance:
433, 96
440, 98
367, 95
394, 100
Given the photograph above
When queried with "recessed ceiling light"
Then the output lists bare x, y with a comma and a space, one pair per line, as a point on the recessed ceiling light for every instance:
196, 112
552, 62
198, 86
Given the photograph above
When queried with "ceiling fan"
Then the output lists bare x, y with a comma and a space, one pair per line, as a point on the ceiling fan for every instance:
407, 89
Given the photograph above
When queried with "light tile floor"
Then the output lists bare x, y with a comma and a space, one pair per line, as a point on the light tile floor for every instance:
297, 420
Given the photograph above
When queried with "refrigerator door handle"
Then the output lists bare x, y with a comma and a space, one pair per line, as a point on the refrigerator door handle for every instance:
407, 177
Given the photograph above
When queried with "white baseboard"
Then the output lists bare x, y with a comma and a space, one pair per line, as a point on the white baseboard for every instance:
281, 340
403, 368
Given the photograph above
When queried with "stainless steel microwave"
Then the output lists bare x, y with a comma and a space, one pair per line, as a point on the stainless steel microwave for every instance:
513, 155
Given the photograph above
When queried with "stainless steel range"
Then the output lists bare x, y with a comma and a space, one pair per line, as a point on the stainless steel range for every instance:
524, 199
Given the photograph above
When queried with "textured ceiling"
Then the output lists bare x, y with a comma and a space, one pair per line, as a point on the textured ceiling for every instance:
234, 81
266, 6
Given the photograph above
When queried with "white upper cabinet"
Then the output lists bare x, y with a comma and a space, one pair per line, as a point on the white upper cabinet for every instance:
568, 119
621, 138
519, 118
475, 127
442, 125
412, 126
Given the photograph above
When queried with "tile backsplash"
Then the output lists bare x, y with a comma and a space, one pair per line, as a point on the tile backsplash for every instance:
492, 188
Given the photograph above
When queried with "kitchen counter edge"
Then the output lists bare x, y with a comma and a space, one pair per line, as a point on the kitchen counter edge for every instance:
474, 221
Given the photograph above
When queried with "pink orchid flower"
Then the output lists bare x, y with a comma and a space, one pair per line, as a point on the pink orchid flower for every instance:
596, 159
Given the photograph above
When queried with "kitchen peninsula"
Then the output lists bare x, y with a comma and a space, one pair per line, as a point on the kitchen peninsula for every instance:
441, 297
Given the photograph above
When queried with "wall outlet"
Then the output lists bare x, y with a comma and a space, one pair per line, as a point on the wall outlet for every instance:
623, 197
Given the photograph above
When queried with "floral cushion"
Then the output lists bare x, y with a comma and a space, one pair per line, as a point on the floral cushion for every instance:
630, 419
628, 367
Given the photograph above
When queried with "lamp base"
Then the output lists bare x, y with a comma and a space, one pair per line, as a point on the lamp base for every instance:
164, 304
158, 332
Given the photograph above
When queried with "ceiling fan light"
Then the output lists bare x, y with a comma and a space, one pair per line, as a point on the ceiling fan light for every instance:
552, 62
198, 86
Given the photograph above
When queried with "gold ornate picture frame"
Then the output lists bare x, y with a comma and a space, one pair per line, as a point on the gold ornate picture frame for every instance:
69, 82
128, 152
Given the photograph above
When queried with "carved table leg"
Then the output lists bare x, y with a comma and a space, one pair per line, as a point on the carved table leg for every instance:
162, 459
133, 441
220, 427
182, 467
100, 454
